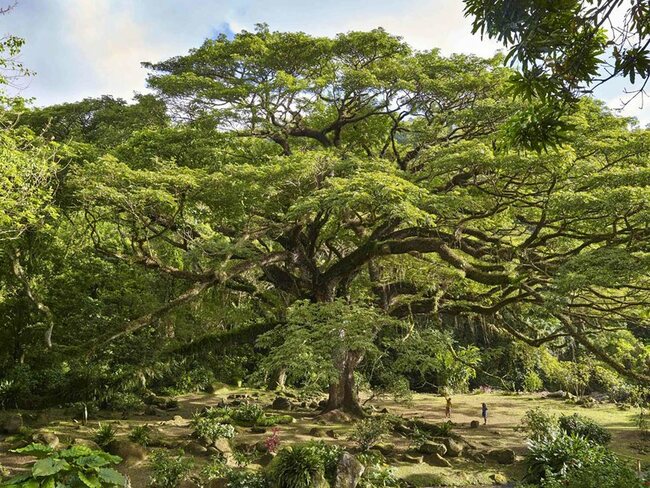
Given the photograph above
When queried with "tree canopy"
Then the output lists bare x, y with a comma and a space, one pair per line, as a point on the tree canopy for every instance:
340, 193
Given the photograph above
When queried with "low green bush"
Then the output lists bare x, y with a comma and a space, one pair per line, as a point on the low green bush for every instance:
210, 429
369, 431
77, 466
105, 434
141, 434
585, 427
538, 424
573, 461
602, 470
168, 470
297, 467
247, 414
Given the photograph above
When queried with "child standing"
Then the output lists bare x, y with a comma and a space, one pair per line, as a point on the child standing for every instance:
484, 410
448, 408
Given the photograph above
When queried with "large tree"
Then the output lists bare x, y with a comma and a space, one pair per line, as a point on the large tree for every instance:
355, 168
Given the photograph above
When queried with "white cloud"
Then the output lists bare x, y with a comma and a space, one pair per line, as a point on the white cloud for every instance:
82, 48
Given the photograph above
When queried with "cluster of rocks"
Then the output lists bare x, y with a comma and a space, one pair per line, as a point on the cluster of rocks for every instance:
438, 449
286, 402
157, 405
586, 401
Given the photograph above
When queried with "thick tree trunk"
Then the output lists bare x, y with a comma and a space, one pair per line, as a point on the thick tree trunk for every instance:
343, 394
277, 380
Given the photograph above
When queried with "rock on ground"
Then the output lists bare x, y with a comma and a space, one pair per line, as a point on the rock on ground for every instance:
433, 448
130, 452
13, 424
501, 456
436, 459
348, 471
47, 438
281, 403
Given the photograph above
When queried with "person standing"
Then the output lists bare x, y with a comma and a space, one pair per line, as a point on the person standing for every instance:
448, 408
484, 411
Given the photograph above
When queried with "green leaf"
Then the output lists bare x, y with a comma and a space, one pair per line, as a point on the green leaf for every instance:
91, 481
38, 450
49, 466
50, 483
111, 476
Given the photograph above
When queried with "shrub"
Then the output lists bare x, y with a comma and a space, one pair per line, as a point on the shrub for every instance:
297, 467
585, 427
329, 454
244, 478
538, 424
247, 414
532, 382
554, 456
378, 477
141, 434
599, 469
271, 420
167, 471
76, 466
445, 428
369, 431
210, 429
105, 434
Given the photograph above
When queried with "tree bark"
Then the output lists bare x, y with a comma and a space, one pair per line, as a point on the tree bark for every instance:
19, 272
343, 393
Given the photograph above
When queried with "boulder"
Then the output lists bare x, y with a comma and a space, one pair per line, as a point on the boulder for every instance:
13, 424
281, 403
412, 458
555, 394
151, 410
501, 456
47, 438
385, 448
314, 406
348, 471
332, 433
223, 446
475, 455
335, 417
433, 448
316, 432
454, 448
195, 448
436, 459
178, 421
90, 444
130, 452
499, 479
474, 424
258, 430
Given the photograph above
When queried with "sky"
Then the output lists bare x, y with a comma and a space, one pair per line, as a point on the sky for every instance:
88, 48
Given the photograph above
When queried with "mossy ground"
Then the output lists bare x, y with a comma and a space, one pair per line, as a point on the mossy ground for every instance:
505, 413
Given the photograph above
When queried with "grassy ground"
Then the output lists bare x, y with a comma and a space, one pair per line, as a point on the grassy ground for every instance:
505, 413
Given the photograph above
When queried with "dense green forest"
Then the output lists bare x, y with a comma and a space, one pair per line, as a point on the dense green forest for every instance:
347, 219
